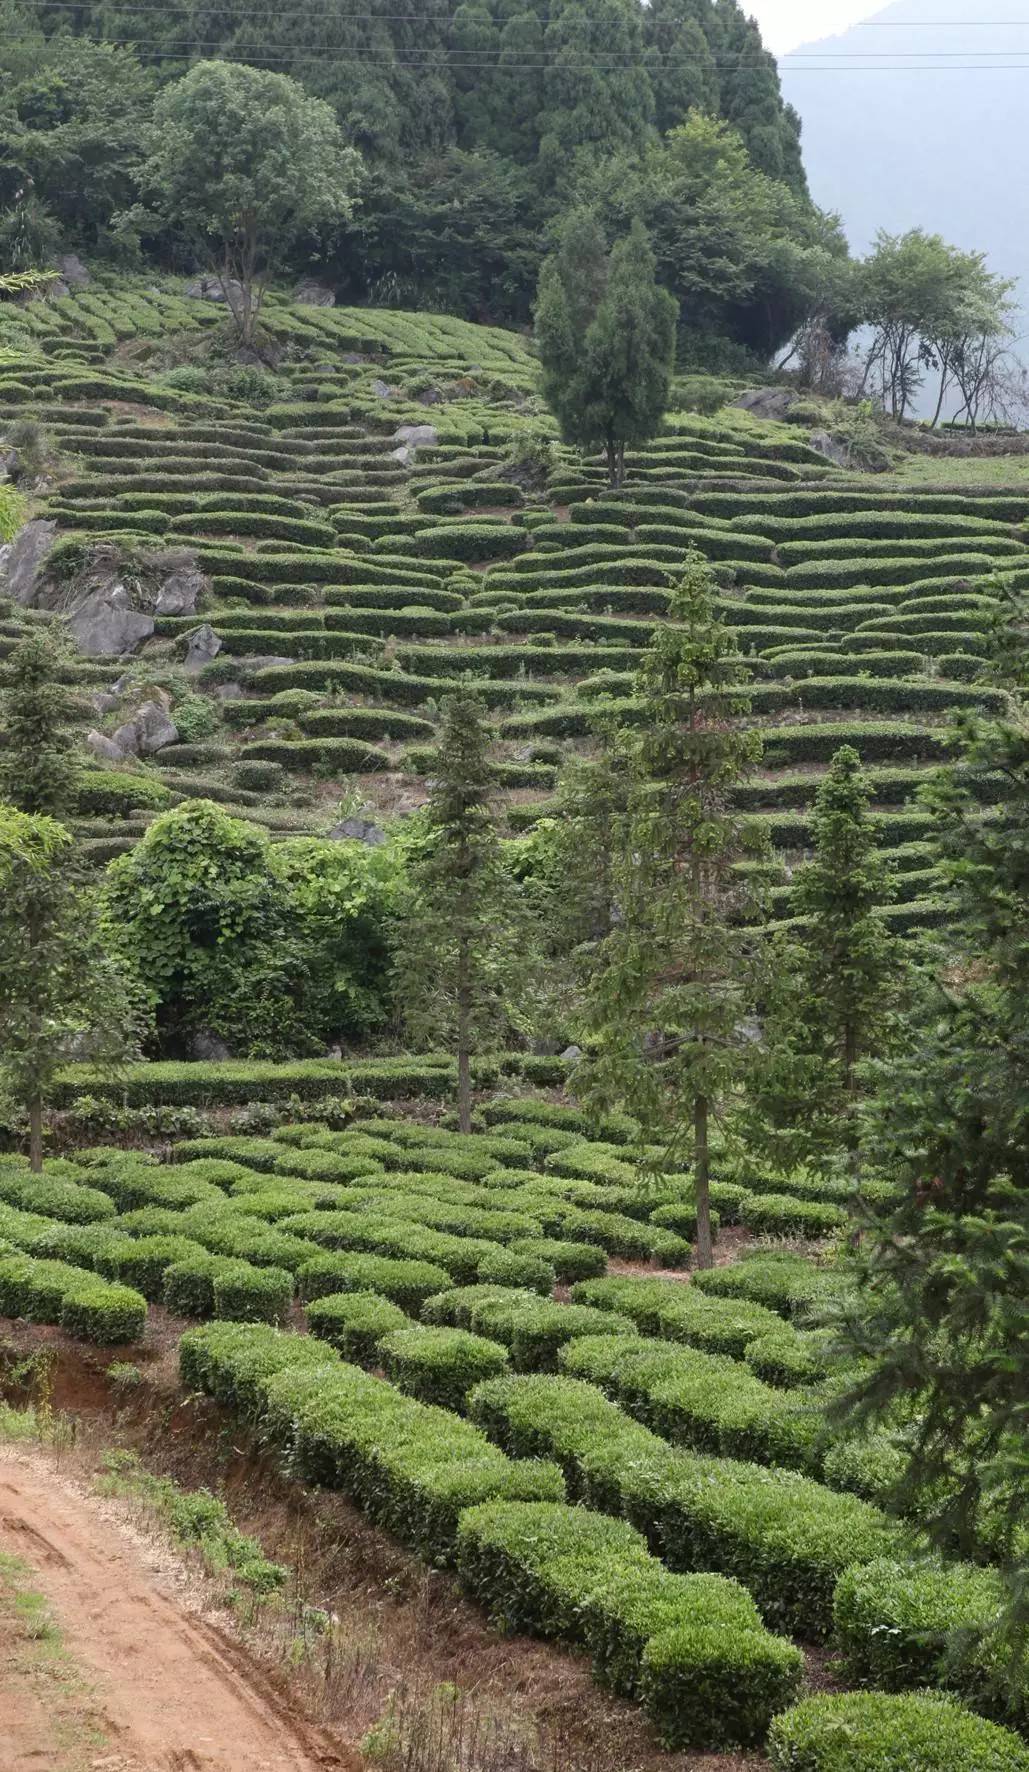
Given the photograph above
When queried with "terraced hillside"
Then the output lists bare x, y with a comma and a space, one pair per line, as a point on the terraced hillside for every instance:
357, 571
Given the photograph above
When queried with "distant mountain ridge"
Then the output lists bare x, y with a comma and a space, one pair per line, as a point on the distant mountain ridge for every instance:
939, 142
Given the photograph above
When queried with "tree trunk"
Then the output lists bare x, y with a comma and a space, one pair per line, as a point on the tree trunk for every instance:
701, 1181
850, 1055
464, 1039
36, 1135
612, 462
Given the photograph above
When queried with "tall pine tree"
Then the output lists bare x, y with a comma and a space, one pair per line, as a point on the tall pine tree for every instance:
606, 338
940, 1318
674, 981
463, 946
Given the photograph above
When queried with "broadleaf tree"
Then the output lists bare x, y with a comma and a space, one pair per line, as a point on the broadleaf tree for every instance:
674, 982
463, 960
606, 337
244, 162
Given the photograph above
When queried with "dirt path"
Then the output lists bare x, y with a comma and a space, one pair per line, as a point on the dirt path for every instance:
170, 1692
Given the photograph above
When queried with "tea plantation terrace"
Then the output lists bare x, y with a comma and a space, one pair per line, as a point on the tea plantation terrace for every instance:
355, 576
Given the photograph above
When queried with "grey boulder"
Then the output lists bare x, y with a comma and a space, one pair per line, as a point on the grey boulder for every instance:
23, 559
210, 288
768, 403
202, 644
149, 730
358, 830
104, 624
312, 294
73, 271
105, 748
833, 448
416, 436
179, 592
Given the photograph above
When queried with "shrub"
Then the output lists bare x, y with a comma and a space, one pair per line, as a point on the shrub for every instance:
354, 1323
873, 1732
406, 1283
35, 1289
787, 1284
142, 1263
679, 1313
784, 1358
233, 1362
568, 1261
564, 1573
455, 1307
247, 1294
535, 1329
901, 1625
440, 1365
104, 1312
189, 1285
509, 1267
51, 1198
697, 1399
784, 1215
785, 1537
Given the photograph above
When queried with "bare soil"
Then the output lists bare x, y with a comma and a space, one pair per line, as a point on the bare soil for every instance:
171, 1692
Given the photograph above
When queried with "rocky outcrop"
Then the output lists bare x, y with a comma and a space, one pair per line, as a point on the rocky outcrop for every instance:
104, 624
358, 830
181, 590
767, 403
312, 294
833, 448
150, 729
202, 644
211, 288
104, 748
22, 561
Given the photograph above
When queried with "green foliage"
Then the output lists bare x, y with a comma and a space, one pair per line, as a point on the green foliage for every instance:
691, 1647
247, 1294
462, 960
939, 1308
105, 1313
863, 1731
440, 1365
406, 1283
606, 338
242, 160
678, 959
900, 1627
512, 1267
354, 1323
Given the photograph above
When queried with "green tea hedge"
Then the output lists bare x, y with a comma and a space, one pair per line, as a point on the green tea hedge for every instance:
440, 1365
692, 1648
874, 1732
354, 1323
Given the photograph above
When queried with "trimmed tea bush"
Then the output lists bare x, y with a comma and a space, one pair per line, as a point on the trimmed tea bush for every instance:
873, 1732
246, 1294
143, 1262
354, 1323
406, 1283
569, 1261
511, 1267
536, 1329
440, 1365
560, 1572
679, 1313
104, 1312
901, 1625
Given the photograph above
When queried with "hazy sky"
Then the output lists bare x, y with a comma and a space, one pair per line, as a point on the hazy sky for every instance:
787, 23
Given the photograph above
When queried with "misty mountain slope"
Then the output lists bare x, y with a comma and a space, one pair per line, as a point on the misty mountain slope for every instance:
939, 142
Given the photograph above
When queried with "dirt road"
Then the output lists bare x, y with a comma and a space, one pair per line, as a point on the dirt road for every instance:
168, 1691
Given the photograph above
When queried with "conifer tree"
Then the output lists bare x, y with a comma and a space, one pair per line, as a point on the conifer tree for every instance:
939, 1317
674, 980
606, 337
39, 766
831, 985
463, 949
56, 979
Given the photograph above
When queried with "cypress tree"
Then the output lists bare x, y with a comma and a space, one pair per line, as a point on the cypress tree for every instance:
675, 980
939, 1315
606, 337
39, 767
463, 950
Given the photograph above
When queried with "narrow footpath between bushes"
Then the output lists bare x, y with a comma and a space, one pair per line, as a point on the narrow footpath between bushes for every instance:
157, 1687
